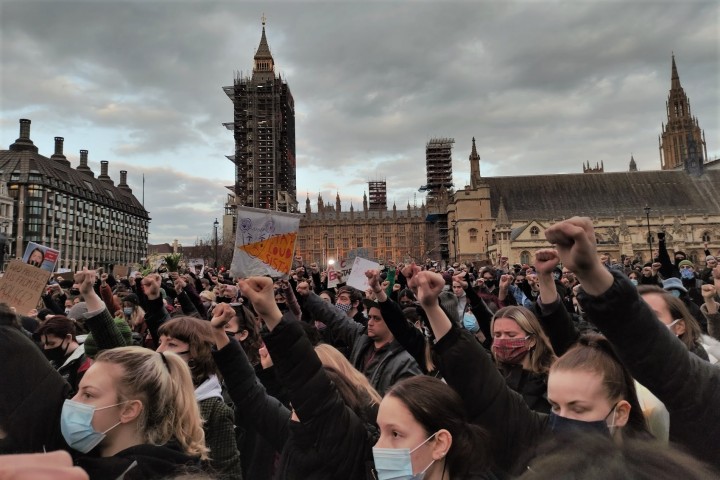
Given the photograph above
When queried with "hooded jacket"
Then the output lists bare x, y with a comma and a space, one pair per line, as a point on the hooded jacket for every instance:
141, 462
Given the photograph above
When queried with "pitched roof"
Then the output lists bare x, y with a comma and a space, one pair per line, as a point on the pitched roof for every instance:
18, 166
605, 195
263, 50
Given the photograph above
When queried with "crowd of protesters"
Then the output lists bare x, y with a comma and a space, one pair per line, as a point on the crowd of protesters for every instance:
576, 366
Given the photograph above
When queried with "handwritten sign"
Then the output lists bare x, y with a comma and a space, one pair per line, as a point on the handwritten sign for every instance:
332, 276
22, 285
265, 242
120, 271
275, 252
357, 277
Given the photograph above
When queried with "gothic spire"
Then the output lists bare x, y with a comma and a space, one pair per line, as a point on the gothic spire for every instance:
502, 219
474, 166
675, 78
633, 165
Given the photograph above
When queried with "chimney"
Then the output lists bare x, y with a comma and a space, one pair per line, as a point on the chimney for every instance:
59, 156
83, 167
104, 173
123, 181
25, 129
23, 142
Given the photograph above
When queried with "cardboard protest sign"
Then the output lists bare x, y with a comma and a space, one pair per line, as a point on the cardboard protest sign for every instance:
22, 285
332, 277
41, 256
265, 242
119, 271
357, 276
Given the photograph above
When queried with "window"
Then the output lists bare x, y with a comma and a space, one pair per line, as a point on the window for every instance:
534, 233
706, 237
388, 242
473, 235
525, 258
359, 242
373, 242
346, 243
89, 185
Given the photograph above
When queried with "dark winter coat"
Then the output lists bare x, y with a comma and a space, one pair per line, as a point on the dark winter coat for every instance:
141, 462
688, 386
331, 441
391, 364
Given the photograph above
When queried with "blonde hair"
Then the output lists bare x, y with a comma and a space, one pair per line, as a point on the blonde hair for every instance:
169, 405
331, 357
137, 317
542, 355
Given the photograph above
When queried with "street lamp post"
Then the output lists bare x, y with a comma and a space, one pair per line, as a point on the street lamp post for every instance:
325, 250
487, 244
216, 224
649, 235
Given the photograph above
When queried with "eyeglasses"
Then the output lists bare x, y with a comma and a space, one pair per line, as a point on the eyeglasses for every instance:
670, 325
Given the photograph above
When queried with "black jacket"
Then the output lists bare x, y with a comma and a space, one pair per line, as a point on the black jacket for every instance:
141, 462
688, 386
331, 441
391, 364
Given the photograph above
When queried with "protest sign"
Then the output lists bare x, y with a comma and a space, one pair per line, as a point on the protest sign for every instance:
357, 276
41, 256
332, 277
197, 266
265, 242
120, 271
22, 285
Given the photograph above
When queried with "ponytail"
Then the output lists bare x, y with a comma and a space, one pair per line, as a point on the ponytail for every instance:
162, 382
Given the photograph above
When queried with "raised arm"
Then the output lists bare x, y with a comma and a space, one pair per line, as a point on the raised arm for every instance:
98, 319
260, 412
514, 429
319, 407
682, 381
340, 326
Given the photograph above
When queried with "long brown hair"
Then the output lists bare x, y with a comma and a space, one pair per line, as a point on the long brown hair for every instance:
542, 354
246, 321
436, 406
594, 353
693, 333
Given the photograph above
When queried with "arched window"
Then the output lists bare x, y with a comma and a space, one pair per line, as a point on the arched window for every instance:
473, 235
534, 232
706, 237
525, 258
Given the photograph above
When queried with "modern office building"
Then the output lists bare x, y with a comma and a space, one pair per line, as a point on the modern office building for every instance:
90, 220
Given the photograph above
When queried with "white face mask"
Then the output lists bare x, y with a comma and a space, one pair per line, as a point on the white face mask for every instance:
396, 463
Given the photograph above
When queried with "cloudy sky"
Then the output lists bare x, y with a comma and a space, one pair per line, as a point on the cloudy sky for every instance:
543, 86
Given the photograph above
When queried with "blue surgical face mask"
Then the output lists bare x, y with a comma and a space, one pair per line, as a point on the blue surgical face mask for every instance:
687, 274
675, 293
634, 281
127, 311
569, 426
76, 425
396, 463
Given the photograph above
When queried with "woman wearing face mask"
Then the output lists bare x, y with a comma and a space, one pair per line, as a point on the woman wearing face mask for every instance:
131, 402
671, 311
425, 434
67, 356
192, 340
523, 354
584, 395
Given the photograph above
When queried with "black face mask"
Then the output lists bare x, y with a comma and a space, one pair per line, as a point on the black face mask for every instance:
74, 291
224, 300
490, 284
282, 306
56, 354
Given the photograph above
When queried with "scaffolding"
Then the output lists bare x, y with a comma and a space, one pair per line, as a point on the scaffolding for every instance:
438, 164
378, 194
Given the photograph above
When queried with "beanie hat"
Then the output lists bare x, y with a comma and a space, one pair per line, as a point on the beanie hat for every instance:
674, 283
91, 348
709, 257
686, 263
132, 298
